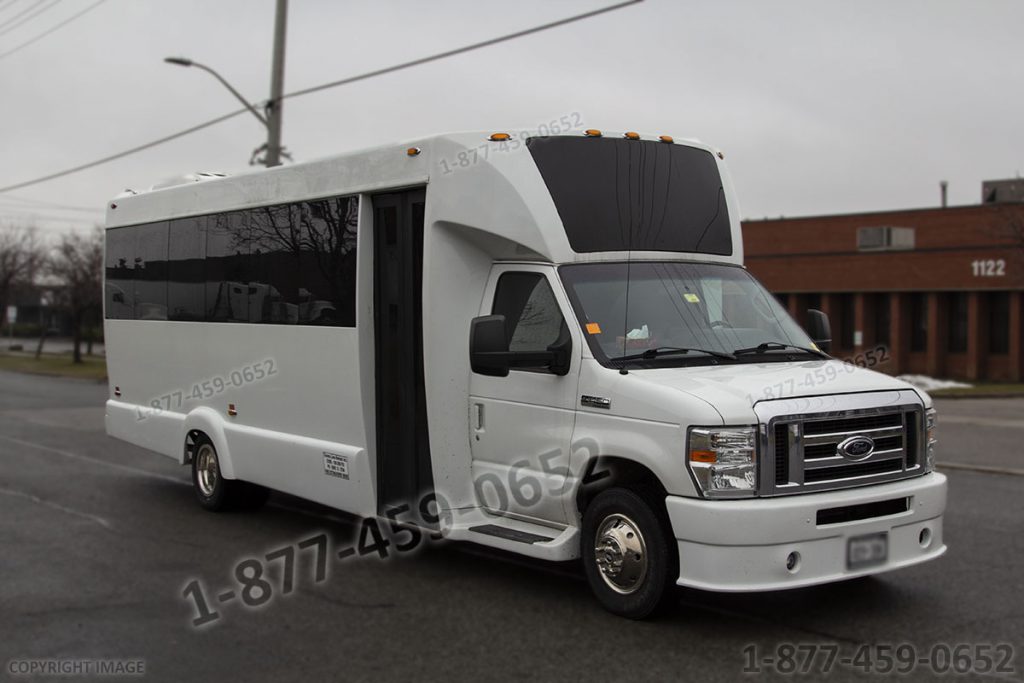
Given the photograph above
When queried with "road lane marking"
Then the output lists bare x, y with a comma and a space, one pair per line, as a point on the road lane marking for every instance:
86, 458
56, 506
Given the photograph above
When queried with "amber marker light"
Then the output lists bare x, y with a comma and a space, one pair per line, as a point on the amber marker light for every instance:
666, 138
413, 151
631, 136
703, 456
499, 137
592, 133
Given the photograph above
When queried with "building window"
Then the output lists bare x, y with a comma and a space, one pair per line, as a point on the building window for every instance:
918, 321
999, 322
885, 238
847, 321
882, 322
958, 305
783, 300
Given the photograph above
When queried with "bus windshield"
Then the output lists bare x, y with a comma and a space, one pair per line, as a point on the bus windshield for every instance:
711, 310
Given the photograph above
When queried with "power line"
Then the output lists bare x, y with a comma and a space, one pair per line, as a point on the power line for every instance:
22, 216
318, 88
22, 13
20, 202
29, 17
460, 50
52, 29
127, 152
12, 206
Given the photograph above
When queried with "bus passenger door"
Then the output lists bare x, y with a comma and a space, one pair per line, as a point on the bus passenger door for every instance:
404, 473
521, 425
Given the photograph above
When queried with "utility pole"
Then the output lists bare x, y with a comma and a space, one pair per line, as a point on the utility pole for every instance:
275, 107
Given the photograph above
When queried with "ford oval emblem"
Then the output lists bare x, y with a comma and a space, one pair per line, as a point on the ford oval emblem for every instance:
856, 447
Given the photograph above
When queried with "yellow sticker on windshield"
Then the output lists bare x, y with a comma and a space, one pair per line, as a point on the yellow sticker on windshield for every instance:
692, 298
593, 328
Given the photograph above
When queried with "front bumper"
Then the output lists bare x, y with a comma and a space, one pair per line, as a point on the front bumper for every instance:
743, 545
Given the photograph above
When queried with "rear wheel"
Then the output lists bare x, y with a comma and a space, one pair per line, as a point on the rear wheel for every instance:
627, 554
214, 492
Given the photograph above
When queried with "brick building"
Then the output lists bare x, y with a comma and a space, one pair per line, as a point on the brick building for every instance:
941, 288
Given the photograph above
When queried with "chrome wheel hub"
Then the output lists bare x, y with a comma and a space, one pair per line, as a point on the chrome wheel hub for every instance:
621, 554
207, 472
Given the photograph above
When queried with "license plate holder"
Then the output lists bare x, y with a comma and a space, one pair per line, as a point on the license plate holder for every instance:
867, 551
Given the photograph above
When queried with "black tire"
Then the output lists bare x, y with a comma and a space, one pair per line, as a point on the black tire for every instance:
213, 491
642, 589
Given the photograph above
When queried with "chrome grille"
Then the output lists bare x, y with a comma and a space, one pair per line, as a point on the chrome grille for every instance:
800, 450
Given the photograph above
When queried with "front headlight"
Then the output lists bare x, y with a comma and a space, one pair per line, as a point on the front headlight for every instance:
724, 460
930, 434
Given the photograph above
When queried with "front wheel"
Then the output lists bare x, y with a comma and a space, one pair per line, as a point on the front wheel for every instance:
630, 563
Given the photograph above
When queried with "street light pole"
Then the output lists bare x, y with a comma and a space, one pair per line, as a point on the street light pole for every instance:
182, 61
275, 107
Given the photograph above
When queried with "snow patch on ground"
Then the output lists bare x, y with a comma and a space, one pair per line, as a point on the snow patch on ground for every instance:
930, 383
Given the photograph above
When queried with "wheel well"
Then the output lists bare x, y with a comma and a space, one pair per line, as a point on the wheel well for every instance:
604, 472
190, 444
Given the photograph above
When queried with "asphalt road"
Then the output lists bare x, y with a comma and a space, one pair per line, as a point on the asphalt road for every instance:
98, 539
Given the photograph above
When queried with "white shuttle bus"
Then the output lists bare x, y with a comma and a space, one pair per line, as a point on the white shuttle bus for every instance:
543, 344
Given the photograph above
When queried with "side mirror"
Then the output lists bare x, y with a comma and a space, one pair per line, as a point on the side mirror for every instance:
488, 348
819, 329
489, 354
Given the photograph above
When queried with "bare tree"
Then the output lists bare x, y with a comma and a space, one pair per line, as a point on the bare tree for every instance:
21, 255
77, 265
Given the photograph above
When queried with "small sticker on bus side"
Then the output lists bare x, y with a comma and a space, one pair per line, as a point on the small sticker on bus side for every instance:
692, 298
336, 465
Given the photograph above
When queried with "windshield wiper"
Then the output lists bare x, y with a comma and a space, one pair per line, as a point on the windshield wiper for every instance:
650, 354
775, 346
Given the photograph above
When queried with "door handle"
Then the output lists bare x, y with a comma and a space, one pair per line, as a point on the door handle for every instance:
478, 416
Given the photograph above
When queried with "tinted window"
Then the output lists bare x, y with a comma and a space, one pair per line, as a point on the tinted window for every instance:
119, 297
285, 264
186, 273
617, 194
327, 261
229, 270
150, 271
533, 321
275, 249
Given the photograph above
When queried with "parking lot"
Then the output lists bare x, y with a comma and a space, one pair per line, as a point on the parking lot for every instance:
100, 539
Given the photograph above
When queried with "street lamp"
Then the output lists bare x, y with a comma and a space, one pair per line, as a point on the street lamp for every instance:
271, 121
183, 61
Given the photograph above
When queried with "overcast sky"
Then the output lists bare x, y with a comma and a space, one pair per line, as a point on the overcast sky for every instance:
820, 107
